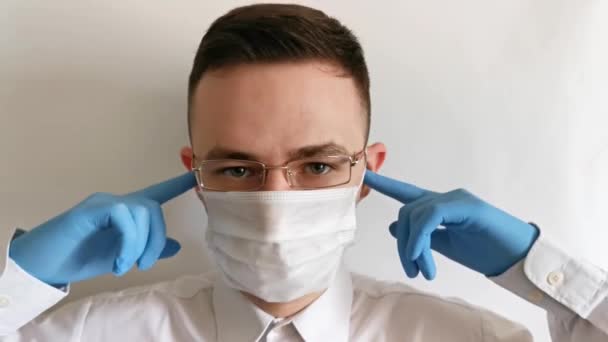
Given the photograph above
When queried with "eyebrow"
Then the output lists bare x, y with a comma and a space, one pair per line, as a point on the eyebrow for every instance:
327, 149
218, 152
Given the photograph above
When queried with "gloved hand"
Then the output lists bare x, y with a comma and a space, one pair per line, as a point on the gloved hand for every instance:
473, 233
102, 234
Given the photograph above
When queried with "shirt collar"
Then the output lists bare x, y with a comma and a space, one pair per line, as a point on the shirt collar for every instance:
326, 319
237, 319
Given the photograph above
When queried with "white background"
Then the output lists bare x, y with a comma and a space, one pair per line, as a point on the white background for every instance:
505, 98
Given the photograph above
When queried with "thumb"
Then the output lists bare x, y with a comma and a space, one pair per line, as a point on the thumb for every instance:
171, 248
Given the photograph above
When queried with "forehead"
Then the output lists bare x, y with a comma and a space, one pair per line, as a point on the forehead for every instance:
268, 110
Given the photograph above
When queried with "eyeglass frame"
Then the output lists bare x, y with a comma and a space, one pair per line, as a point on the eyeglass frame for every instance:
354, 158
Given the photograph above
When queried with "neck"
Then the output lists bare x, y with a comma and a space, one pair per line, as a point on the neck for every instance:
282, 310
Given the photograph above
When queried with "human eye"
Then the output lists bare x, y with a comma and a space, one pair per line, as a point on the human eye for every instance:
318, 168
236, 172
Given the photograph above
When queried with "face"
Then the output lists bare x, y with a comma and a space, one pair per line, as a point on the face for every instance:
277, 113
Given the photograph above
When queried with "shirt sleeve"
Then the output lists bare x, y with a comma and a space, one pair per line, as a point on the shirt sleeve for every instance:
573, 292
22, 296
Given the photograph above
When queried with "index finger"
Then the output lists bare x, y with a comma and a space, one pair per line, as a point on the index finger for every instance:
169, 189
401, 191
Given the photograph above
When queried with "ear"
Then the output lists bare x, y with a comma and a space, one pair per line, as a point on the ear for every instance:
186, 155
376, 154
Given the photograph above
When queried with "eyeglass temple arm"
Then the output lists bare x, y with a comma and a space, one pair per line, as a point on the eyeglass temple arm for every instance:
356, 158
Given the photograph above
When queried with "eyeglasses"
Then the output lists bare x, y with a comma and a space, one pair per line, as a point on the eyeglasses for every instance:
303, 174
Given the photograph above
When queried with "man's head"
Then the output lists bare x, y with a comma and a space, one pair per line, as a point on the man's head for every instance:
274, 83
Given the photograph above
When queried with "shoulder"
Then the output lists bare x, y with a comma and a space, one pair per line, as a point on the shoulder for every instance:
137, 310
167, 293
401, 307
396, 295
166, 308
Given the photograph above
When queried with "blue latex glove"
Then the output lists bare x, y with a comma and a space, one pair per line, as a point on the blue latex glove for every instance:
102, 234
472, 233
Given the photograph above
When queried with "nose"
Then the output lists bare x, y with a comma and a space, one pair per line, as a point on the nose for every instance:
276, 180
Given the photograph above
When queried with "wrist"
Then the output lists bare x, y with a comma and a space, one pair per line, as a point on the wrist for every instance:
523, 240
520, 244
18, 252
15, 252
529, 237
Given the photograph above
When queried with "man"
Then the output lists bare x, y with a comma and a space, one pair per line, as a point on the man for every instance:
279, 113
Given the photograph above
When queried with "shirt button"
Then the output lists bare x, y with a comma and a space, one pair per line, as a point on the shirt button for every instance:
555, 278
4, 301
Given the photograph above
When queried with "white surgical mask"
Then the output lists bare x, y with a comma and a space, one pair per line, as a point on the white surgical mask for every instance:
280, 245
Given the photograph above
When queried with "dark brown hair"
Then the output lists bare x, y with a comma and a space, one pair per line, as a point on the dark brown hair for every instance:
267, 33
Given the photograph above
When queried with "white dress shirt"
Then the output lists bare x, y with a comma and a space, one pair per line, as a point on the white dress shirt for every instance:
353, 308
